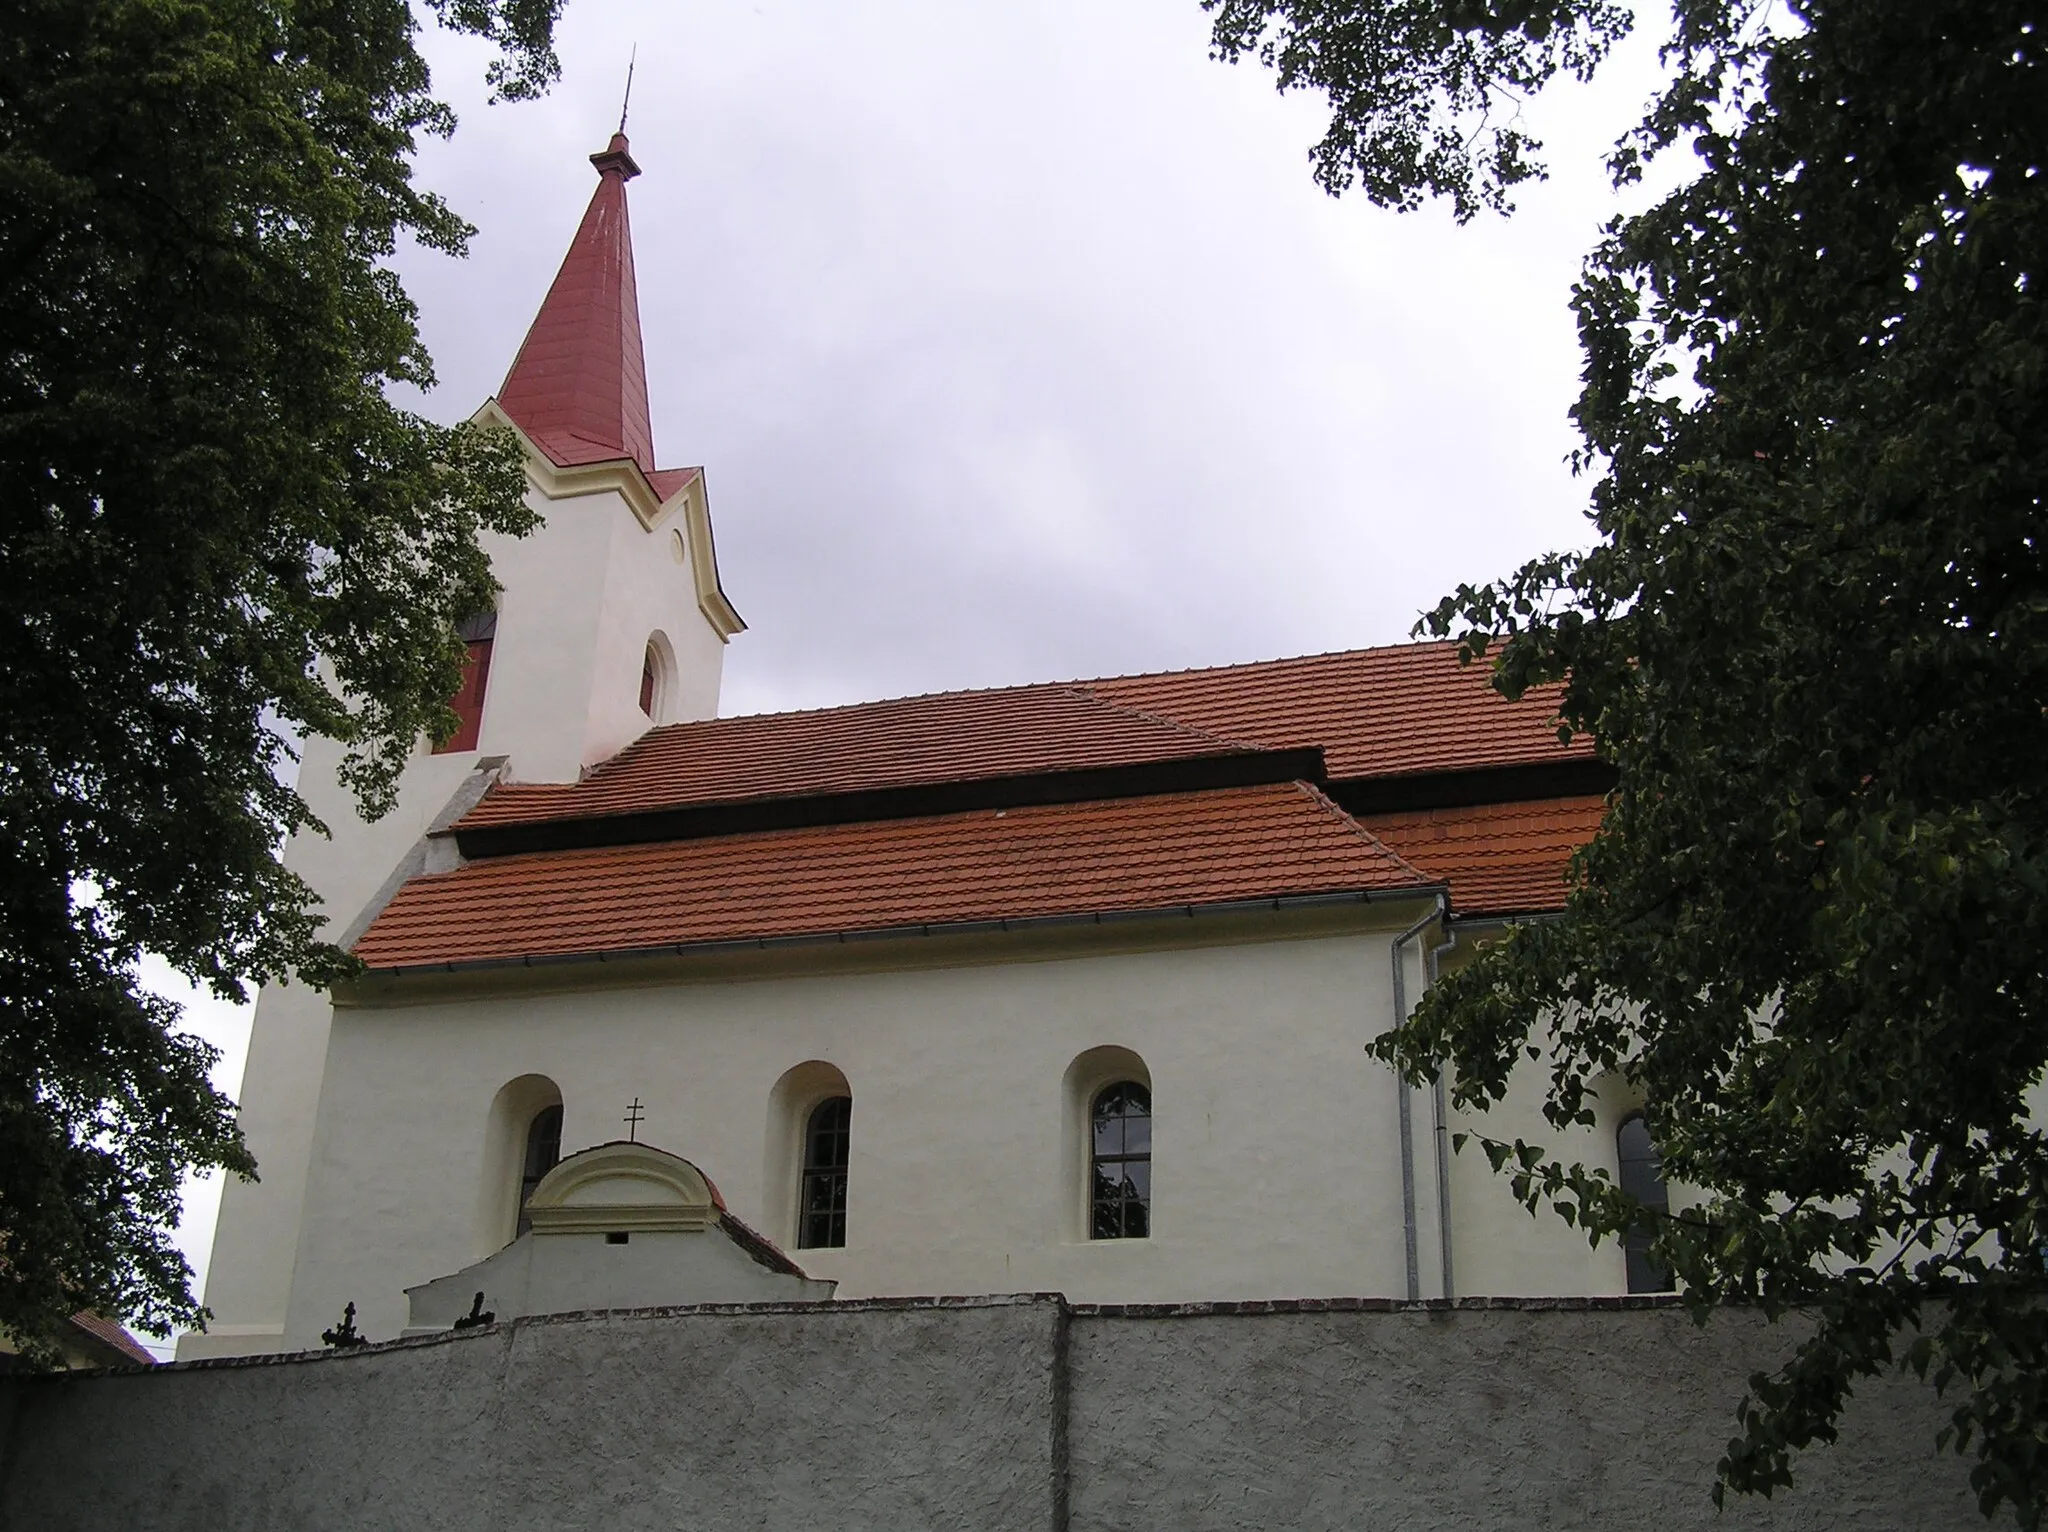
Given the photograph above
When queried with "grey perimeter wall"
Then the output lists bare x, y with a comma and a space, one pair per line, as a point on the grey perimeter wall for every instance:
984, 1414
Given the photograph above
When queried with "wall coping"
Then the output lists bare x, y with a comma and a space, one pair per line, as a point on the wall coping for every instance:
1201, 1309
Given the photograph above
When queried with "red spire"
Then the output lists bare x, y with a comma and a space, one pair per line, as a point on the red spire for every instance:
578, 387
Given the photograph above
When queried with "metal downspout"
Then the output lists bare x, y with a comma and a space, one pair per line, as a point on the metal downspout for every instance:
1443, 1131
1406, 1115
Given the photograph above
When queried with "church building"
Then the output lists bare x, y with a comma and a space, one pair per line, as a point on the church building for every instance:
1060, 987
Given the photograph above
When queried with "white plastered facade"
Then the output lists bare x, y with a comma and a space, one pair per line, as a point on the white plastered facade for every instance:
581, 599
1277, 1164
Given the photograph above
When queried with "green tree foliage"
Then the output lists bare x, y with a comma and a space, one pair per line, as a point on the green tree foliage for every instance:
1812, 636
203, 489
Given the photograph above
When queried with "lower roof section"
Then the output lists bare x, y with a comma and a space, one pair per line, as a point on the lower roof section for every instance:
1498, 858
1218, 847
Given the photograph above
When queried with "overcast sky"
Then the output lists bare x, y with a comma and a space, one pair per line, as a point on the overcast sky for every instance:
1017, 342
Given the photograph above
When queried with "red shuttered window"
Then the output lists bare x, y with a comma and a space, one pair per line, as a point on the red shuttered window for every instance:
468, 701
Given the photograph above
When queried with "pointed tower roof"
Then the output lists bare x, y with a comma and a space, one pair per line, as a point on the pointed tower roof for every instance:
578, 387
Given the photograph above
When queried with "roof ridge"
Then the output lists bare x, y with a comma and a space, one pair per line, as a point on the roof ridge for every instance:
1277, 659
1072, 683
1343, 815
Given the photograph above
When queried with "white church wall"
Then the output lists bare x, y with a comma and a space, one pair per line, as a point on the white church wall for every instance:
256, 1233
1276, 1160
648, 590
1502, 1249
537, 702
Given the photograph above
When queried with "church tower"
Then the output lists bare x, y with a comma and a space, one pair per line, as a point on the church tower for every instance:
610, 620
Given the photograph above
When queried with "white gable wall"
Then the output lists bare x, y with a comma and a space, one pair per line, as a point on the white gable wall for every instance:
582, 596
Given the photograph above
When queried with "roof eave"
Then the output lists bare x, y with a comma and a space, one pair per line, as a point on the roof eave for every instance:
922, 931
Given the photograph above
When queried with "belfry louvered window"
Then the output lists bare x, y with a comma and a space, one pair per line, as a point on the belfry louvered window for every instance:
1120, 1162
821, 1201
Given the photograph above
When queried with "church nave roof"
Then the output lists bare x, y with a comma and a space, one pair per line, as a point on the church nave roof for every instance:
1110, 857
1402, 711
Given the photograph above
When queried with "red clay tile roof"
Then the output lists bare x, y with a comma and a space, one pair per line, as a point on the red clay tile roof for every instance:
1124, 854
760, 1247
1375, 712
113, 1336
578, 387
1391, 711
1499, 858
951, 737
667, 481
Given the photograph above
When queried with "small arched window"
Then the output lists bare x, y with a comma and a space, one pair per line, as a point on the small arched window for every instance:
1120, 1162
543, 1153
1642, 1177
821, 1201
658, 678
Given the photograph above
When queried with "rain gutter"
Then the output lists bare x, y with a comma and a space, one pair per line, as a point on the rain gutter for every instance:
1441, 1108
1405, 1112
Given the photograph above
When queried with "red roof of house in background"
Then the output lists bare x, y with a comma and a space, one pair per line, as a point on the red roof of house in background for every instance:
109, 1334
1127, 854
578, 387
1375, 712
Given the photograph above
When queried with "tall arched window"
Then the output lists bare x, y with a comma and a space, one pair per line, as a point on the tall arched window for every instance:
821, 1201
1642, 1177
650, 680
543, 1152
1120, 1162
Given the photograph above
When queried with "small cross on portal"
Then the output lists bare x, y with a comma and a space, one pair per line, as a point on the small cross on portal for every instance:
633, 1118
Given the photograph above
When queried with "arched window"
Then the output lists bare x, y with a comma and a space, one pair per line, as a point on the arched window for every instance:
543, 1152
821, 1201
477, 635
1120, 1162
1642, 1177
658, 678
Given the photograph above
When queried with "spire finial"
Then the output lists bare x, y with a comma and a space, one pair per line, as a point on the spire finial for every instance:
631, 58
